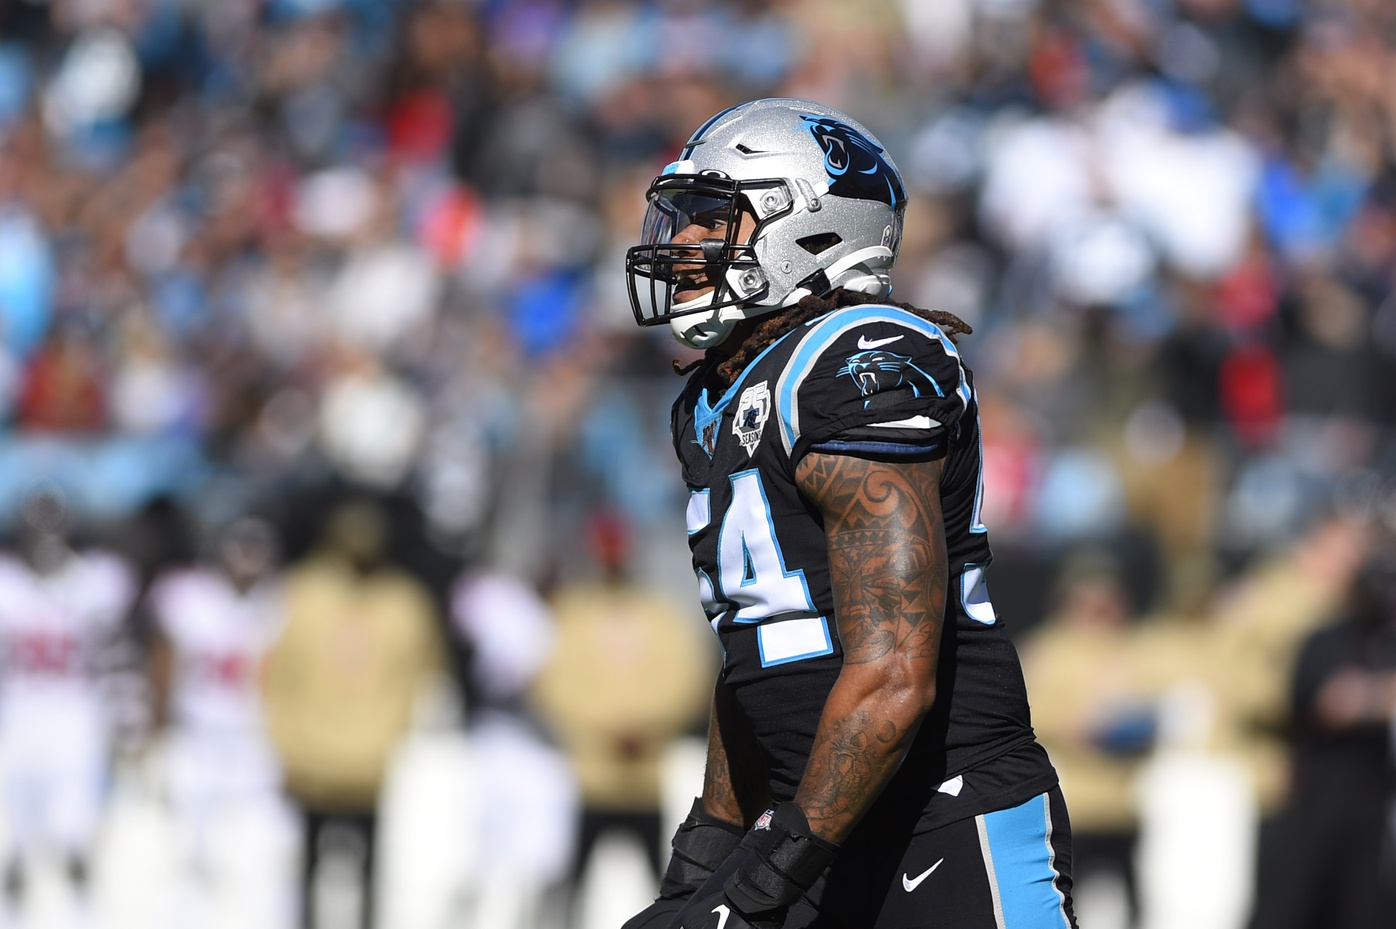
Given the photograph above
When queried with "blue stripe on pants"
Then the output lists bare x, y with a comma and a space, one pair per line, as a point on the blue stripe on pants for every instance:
1018, 854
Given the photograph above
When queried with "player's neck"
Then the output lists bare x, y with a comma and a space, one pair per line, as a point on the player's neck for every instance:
748, 339
47, 555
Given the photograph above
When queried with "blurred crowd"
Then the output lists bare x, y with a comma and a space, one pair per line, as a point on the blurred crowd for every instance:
262, 257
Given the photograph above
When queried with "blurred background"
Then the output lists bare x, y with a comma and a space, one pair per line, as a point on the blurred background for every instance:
343, 572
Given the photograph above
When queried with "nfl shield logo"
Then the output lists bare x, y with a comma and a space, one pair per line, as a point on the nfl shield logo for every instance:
707, 438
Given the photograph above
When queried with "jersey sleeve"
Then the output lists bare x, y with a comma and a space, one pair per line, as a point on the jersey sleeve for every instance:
872, 380
163, 601
12, 585
109, 586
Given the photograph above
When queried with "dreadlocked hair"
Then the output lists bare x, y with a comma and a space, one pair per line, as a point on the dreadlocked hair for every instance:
778, 324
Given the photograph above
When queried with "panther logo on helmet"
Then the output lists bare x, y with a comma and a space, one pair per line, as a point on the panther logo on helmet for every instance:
857, 166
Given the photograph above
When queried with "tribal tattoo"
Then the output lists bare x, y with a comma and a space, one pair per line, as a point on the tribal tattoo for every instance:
888, 566
886, 552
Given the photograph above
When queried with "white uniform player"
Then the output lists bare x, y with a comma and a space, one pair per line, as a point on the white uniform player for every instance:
54, 733
223, 776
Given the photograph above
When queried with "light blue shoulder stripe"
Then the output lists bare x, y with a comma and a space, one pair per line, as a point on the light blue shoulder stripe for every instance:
823, 333
731, 392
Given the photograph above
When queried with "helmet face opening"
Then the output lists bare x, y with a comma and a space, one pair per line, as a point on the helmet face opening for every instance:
690, 258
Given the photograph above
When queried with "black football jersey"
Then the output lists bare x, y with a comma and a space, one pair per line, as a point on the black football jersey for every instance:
875, 381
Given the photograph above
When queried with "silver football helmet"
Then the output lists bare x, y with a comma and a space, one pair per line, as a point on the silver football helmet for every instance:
770, 201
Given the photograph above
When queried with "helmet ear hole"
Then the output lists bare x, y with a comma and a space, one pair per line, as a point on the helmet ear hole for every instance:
817, 283
820, 242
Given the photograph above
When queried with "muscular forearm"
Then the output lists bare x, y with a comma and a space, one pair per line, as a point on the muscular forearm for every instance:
867, 727
719, 795
734, 788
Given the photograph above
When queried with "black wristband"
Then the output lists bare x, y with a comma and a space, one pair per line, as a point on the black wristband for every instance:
785, 862
700, 845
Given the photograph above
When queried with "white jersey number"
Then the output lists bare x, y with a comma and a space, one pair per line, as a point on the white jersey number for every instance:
751, 570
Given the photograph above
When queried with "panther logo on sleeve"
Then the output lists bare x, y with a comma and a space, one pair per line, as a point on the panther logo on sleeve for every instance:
878, 370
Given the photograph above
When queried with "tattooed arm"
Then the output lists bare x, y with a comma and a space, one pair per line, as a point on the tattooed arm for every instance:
887, 560
734, 782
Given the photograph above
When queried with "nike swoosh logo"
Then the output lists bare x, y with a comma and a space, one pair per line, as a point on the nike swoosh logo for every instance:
865, 342
722, 913
911, 883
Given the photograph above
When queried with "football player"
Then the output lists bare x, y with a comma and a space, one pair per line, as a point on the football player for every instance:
60, 612
871, 762
214, 624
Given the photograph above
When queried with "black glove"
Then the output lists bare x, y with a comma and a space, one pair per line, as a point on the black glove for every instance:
700, 845
780, 859
714, 911
658, 915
